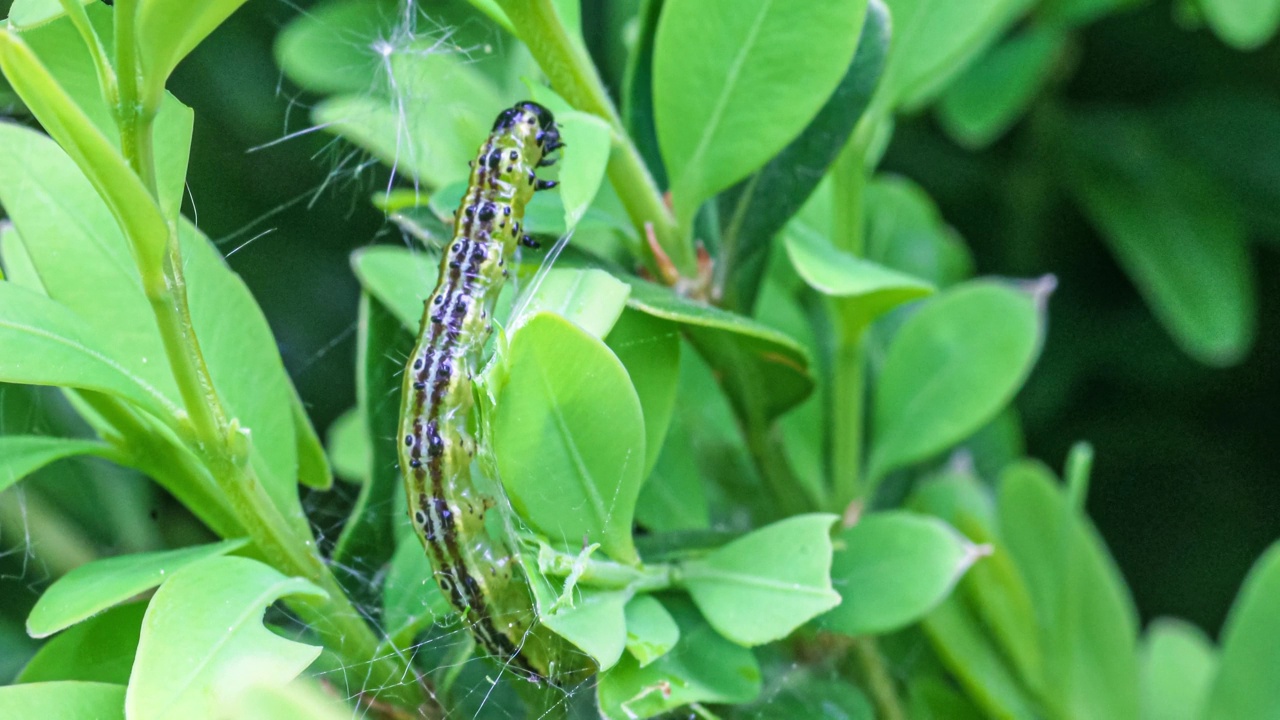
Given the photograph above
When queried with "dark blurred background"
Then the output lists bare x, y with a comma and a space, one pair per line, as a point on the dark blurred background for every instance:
1186, 484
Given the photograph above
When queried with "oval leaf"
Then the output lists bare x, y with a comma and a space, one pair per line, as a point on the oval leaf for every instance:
569, 435
92, 588
69, 699
585, 157
100, 649
893, 569
651, 631
736, 80
950, 369
760, 587
1178, 667
203, 641
1250, 664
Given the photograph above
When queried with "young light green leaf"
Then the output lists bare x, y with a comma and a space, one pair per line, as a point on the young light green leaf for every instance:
951, 368
1173, 229
906, 232
752, 212
1243, 24
893, 568
95, 155
569, 433
69, 699
45, 344
1087, 619
735, 81
760, 587
589, 298
651, 631
299, 700
1249, 667
1178, 666
649, 349
27, 14
401, 280
865, 290
203, 641
586, 154
100, 649
21, 455
994, 92
702, 667
169, 29
595, 623
933, 41
92, 588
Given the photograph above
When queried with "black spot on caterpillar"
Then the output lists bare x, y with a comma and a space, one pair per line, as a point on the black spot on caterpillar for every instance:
476, 569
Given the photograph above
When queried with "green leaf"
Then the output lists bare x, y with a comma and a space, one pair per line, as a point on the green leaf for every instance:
951, 368
933, 41
368, 539
906, 232
965, 648
168, 30
92, 588
736, 81
1243, 24
1178, 667
348, 443
313, 462
934, 699
100, 649
1087, 619
595, 623
802, 695
99, 701
95, 155
26, 14
1081, 12
994, 92
649, 349
893, 568
21, 455
401, 280
203, 641
45, 344
753, 211
765, 369
865, 290
410, 596
760, 587
1173, 229
1250, 661
586, 154
299, 700
702, 667
651, 631
589, 298
569, 433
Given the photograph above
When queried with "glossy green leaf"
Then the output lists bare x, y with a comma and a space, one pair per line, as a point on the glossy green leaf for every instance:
933, 41
100, 701
25, 14
410, 596
1087, 619
905, 232
649, 349
348, 444
591, 299
100, 649
46, 344
1173, 229
99, 160
92, 588
1250, 660
595, 622
702, 667
1243, 24
203, 640
588, 142
735, 81
995, 91
1178, 667
760, 587
21, 455
892, 568
951, 368
766, 368
753, 211
966, 650
651, 631
865, 290
401, 280
569, 433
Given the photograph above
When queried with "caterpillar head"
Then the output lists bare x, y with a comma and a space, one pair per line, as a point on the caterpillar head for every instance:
532, 120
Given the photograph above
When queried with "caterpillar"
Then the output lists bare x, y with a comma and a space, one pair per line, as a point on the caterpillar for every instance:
475, 568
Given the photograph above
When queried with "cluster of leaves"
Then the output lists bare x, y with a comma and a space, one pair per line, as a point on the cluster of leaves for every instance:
816, 448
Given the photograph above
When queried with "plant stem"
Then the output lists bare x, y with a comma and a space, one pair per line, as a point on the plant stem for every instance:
848, 388
573, 75
877, 679
106, 75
